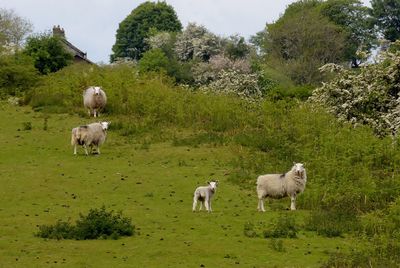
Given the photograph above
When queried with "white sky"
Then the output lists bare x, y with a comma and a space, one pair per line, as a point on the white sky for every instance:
91, 25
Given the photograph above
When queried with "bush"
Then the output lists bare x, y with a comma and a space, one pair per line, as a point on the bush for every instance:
284, 227
99, 223
17, 74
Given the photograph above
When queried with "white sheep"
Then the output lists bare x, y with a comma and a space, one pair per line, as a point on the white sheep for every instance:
277, 186
94, 99
92, 135
204, 194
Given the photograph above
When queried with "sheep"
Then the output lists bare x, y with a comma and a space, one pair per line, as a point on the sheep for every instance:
92, 135
204, 194
94, 99
281, 185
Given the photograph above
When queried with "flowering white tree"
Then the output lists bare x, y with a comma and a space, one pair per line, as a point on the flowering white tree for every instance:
196, 42
370, 96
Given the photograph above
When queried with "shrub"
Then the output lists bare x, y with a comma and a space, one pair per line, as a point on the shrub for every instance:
17, 74
99, 223
153, 60
284, 227
368, 96
248, 230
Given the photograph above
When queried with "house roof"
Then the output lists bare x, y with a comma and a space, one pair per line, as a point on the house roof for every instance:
78, 54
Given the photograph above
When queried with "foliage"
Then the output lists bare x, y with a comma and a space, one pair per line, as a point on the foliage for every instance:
99, 223
386, 14
370, 96
331, 223
354, 18
165, 42
17, 74
302, 41
13, 30
153, 60
48, 53
223, 75
196, 42
236, 47
284, 227
231, 82
137, 26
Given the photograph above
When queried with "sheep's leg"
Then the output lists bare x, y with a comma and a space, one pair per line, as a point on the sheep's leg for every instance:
75, 149
201, 205
209, 206
86, 151
194, 204
89, 112
293, 202
261, 205
94, 113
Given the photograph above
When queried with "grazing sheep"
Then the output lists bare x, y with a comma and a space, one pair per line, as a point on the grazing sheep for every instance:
204, 194
94, 99
281, 185
92, 135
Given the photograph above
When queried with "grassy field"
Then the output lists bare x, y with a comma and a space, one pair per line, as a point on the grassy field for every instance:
42, 182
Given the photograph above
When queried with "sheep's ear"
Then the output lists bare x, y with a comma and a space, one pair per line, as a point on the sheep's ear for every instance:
294, 163
208, 182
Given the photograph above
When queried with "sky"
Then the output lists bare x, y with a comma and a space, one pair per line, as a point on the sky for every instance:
91, 25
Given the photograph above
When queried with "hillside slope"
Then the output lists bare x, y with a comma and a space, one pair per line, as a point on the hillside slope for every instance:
42, 182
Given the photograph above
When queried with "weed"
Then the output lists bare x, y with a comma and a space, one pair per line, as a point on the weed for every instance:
27, 126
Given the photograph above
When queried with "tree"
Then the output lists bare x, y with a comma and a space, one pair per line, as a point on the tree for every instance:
17, 73
236, 47
196, 42
369, 96
302, 41
386, 14
13, 29
355, 19
48, 53
137, 26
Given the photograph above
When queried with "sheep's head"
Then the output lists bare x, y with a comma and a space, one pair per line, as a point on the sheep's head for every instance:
96, 90
213, 184
299, 169
105, 125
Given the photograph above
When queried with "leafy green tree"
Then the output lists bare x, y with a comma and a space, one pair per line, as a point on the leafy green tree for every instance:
137, 26
355, 19
13, 29
48, 53
302, 41
17, 73
387, 17
236, 47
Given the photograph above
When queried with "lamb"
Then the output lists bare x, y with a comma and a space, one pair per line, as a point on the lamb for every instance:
281, 185
204, 194
92, 135
94, 99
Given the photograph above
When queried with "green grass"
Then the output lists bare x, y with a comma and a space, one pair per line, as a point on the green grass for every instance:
42, 182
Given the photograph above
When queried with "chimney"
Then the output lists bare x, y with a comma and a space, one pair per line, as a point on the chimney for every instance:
58, 31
